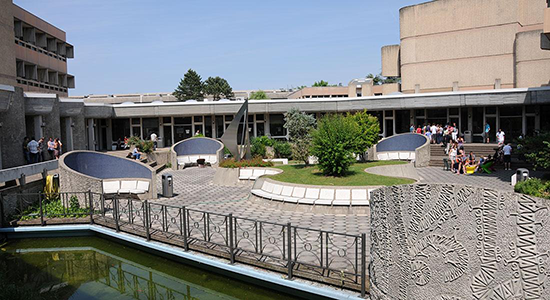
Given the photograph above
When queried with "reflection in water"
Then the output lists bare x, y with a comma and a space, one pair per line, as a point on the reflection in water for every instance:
93, 268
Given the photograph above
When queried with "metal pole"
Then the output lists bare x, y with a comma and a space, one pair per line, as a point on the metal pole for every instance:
184, 224
90, 196
41, 209
146, 216
363, 264
1, 210
116, 215
289, 247
231, 250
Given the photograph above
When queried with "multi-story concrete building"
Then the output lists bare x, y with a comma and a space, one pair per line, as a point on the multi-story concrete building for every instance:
360, 87
450, 45
545, 38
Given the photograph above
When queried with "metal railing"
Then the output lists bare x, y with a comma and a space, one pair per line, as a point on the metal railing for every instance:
326, 256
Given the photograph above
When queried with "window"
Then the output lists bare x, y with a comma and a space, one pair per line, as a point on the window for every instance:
186, 120
276, 123
198, 119
166, 120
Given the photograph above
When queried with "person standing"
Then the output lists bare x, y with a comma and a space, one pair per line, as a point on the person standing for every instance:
500, 137
32, 147
487, 130
41, 150
51, 145
507, 156
57, 148
411, 129
154, 139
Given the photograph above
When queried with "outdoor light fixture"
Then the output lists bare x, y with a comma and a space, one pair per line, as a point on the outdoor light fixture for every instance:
43, 124
72, 124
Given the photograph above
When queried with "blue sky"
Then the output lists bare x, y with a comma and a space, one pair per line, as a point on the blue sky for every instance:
146, 46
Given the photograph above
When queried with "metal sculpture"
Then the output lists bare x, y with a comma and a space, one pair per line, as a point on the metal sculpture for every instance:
239, 148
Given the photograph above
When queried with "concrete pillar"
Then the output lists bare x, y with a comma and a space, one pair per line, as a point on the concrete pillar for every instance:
470, 120
417, 88
267, 130
91, 134
68, 129
109, 131
455, 86
37, 132
0, 148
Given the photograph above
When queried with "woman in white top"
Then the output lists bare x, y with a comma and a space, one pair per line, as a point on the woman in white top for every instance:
452, 157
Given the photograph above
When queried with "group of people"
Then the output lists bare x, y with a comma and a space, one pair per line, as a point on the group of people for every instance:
35, 151
437, 133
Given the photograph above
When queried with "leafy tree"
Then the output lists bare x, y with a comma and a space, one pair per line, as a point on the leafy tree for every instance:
299, 126
282, 149
190, 87
369, 128
334, 142
258, 95
376, 79
320, 83
536, 150
218, 87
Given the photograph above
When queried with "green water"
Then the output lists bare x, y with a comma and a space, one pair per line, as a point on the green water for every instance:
95, 268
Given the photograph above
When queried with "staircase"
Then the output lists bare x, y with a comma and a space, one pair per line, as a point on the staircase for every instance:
437, 152
153, 164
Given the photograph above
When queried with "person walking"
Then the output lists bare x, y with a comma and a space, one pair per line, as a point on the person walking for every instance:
501, 137
507, 156
57, 148
32, 147
154, 139
487, 130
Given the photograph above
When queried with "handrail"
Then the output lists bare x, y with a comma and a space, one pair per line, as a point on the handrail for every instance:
27, 170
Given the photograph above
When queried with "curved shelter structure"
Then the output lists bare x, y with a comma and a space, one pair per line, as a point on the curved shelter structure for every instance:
106, 174
407, 146
187, 152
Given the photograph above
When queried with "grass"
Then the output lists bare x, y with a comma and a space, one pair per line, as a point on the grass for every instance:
356, 175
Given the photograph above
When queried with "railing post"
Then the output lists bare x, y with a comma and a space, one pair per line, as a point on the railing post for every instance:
146, 216
289, 247
231, 250
183, 216
363, 265
1, 210
117, 227
91, 207
41, 209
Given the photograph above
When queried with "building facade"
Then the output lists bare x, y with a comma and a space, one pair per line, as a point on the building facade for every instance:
450, 45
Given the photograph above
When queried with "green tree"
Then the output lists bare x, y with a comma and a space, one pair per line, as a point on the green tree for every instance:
334, 142
218, 87
299, 126
190, 87
320, 83
258, 95
369, 128
376, 79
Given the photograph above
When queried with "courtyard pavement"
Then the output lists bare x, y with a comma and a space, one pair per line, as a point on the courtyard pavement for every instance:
499, 180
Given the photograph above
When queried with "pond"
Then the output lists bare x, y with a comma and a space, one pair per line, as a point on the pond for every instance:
95, 268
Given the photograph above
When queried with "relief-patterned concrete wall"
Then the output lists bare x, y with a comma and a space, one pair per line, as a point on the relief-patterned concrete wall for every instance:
458, 242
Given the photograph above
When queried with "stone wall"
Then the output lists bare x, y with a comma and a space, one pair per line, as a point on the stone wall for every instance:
458, 242
13, 131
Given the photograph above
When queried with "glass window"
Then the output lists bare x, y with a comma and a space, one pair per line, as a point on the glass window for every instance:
419, 112
219, 126
150, 125
530, 109
167, 136
260, 129
198, 119
453, 111
389, 113
276, 123
167, 120
510, 111
402, 119
186, 120
544, 122
136, 121
491, 110
120, 129
250, 118
229, 118
260, 117
208, 126
463, 120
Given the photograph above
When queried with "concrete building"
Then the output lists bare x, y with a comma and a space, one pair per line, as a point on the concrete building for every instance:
545, 38
451, 45
356, 88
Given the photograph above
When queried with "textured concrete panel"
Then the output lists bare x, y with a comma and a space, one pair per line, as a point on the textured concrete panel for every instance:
391, 61
7, 49
13, 131
431, 241
79, 133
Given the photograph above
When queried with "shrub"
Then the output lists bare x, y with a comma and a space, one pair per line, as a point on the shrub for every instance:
299, 126
257, 161
258, 148
334, 142
142, 145
282, 149
264, 140
534, 187
536, 150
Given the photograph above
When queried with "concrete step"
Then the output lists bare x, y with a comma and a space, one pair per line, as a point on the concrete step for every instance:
159, 168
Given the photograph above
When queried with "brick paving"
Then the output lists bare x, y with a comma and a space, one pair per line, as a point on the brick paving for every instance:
499, 180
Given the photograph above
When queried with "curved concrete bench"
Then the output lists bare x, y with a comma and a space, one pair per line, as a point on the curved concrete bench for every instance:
402, 171
312, 195
105, 174
407, 146
255, 173
187, 152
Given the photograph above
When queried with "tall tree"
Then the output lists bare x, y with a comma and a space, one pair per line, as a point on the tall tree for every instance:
320, 83
190, 87
258, 95
299, 126
218, 87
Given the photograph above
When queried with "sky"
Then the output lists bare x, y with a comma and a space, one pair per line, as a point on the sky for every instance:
136, 46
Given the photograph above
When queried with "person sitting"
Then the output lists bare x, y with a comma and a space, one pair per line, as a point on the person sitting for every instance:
487, 165
136, 154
